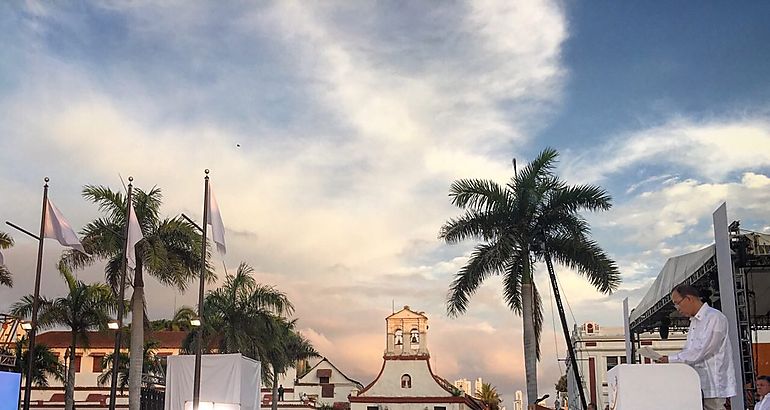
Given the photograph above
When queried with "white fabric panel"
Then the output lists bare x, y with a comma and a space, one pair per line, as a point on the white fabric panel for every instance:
674, 272
225, 378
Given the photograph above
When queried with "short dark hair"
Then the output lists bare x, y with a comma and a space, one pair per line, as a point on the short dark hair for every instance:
765, 378
687, 290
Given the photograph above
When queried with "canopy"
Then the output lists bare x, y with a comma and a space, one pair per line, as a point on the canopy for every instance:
699, 269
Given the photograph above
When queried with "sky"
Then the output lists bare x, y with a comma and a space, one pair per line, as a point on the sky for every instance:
334, 129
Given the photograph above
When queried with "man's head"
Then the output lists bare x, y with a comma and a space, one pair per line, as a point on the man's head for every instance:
763, 385
686, 300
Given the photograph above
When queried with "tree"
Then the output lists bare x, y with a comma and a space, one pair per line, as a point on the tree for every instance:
239, 316
83, 308
513, 223
46, 363
561, 385
489, 396
287, 347
5, 275
151, 365
170, 252
180, 321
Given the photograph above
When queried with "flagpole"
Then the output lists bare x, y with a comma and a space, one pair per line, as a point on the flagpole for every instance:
122, 287
32, 331
197, 378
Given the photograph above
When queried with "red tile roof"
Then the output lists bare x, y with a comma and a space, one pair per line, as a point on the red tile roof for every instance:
106, 339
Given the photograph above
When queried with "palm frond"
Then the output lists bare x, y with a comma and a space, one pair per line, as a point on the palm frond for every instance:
6, 241
485, 260
588, 259
485, 226
6, 278
479, 194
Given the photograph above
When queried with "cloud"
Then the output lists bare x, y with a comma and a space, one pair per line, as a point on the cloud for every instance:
711, 149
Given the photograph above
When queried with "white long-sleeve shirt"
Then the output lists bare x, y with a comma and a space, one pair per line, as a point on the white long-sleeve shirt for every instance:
764, 404
709, 352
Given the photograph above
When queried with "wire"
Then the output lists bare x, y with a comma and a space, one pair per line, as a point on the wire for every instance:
566, 300
555, 339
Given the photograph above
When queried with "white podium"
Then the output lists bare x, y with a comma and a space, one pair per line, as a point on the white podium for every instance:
654, 386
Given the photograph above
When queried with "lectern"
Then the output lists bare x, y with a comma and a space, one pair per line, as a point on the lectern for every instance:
654, 386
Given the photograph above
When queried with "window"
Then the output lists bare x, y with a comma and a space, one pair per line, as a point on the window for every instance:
77, 363
372, 408
439, 407
323, 380
414, 336
96, 367
406, 381
613, 361
399, 337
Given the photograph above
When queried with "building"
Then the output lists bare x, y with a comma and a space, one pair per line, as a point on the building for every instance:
88, 365
518, 400
406, 381
317, 384
599, 349
464, 385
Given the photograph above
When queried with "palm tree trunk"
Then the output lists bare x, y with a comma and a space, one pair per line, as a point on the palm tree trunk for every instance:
137, 341
274, 403
530, 342
69, 386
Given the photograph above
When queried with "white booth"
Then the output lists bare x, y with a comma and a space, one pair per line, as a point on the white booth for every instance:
228, 382
654, 386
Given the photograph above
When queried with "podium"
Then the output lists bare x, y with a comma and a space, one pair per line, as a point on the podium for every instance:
654, 386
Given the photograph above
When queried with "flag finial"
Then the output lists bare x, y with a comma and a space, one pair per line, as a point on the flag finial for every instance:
46, 179
130, 178
206, 171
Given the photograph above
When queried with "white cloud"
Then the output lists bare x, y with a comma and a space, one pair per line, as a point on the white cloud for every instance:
711, 149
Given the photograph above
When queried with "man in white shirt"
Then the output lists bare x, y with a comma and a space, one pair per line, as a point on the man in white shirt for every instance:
763, 388
707, 350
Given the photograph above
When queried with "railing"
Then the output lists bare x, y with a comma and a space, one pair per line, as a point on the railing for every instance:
152, 399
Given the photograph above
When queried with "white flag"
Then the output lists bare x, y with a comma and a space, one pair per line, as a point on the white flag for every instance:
215, 220
56, 227
134, 236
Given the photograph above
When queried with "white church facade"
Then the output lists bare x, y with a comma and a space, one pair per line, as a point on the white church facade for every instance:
406, 380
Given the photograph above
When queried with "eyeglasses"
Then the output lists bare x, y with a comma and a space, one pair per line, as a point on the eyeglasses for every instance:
679, 302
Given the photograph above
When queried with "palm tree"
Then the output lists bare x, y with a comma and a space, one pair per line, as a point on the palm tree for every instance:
46, 363
180, 321
85, 307
170, 251
5, 275
287, 347
239, 316
514, 222
489, 396
151, 362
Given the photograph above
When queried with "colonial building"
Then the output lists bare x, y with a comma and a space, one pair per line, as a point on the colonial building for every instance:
319, 383
406, 381
88, 365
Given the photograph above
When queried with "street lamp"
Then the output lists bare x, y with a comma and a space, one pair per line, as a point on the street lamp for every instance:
195, 322
113, 325
26, 325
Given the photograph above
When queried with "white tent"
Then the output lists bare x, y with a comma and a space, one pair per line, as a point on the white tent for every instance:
228, 382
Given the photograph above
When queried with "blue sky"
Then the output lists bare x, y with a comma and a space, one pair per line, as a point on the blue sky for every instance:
333, 131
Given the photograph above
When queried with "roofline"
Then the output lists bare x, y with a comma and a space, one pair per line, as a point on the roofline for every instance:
324, 359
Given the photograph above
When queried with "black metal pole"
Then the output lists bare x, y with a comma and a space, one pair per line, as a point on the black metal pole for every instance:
121, 293
199, 347
35, 301
562, 316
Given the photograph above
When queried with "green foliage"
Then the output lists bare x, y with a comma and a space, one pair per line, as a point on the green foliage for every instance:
514, 222
6, 241
46, 363
489, 396
152, 365
561, 385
